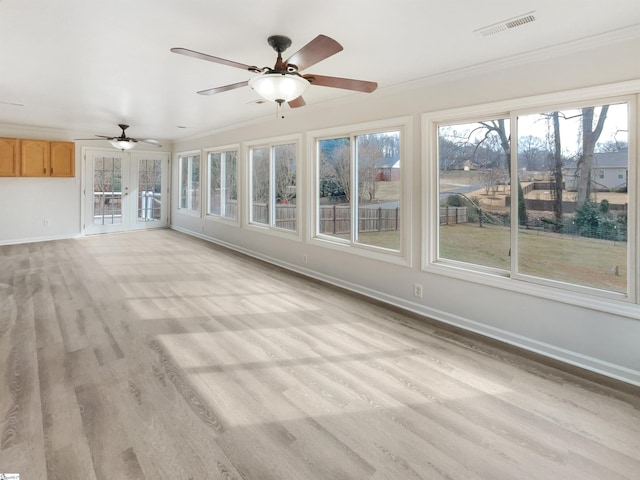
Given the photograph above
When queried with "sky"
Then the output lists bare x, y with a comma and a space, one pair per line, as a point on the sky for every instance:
615, 127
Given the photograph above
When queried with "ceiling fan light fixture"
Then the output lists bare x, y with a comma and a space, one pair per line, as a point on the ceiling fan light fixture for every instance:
279, 87
122, 144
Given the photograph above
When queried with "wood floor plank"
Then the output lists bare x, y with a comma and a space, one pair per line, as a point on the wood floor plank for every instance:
21, 426
65, 446
157, 355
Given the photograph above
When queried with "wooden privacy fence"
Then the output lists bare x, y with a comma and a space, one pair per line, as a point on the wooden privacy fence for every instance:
285, 215
334, 219
453, 215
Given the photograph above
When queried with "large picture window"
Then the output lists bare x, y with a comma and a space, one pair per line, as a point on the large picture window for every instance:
575, 205
223, 184
189, 192
550, 205
359, 189
273, 186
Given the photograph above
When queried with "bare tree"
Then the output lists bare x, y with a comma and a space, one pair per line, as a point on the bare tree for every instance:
557, 186
590, 135
491, 179
499, 128
612, 146
260, 175
531, 152
285, 173
370, 153
231, 175
335, 166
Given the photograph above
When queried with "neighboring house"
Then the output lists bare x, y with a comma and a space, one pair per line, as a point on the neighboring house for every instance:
388, 169
610, 172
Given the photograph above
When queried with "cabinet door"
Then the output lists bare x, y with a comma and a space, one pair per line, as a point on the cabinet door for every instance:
35, 158
9, 157
63, 159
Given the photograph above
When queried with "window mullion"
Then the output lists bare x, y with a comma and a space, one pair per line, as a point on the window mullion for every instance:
353, 164
515, 193
190, 183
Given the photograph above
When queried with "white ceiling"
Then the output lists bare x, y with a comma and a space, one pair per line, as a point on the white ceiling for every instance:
87, 65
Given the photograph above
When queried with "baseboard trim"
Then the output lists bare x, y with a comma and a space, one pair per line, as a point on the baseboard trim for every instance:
18, 241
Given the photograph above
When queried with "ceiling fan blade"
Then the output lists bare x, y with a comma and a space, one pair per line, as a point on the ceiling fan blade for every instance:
345, 83
211, 58
149, 141
297, 102
100, 137
315, 51
225, 88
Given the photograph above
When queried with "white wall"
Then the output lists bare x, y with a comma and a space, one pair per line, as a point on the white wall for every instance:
27, 202
542, 321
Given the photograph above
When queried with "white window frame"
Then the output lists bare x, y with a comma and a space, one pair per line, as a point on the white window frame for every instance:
271, 228
434, 186
405, 126
188, 209
221, 217
631, 294
610, 302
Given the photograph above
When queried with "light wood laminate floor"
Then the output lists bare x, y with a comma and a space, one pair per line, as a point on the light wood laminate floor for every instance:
154, 355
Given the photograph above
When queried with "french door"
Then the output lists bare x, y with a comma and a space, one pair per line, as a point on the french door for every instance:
124, 190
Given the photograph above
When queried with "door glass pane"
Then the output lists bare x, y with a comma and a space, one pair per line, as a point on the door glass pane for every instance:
378, 171
572, 165
285, 185
149, 190
260, 185
474, 193
334, 189
107, 191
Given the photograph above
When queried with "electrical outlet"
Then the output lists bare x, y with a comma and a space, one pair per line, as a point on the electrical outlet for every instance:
305, 258
417, 290
46, 222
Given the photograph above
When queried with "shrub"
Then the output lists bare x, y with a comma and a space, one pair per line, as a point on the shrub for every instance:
596, 221
462, 201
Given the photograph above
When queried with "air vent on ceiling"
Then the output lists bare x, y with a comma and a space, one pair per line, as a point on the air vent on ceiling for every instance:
505, 25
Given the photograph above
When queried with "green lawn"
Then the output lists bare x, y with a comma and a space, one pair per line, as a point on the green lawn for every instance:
385, 239
578, 260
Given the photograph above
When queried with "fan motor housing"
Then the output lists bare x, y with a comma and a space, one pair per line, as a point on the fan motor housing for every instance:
279, 42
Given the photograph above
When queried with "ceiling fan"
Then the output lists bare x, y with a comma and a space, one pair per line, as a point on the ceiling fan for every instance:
284, 82
123, 142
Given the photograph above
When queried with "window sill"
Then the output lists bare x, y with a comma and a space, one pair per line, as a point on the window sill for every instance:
616, 304
394, 257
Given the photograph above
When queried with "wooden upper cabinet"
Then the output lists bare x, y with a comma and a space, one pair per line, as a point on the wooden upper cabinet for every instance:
9, 157
34, 155
37, 158
63, 159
